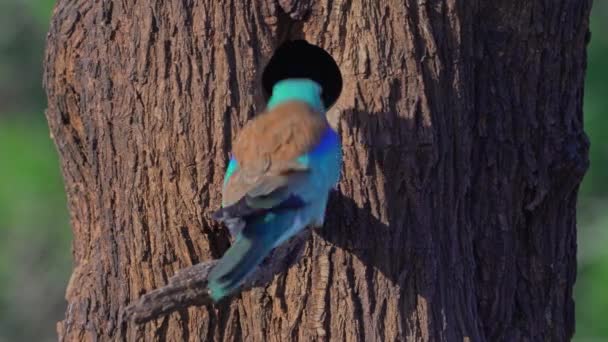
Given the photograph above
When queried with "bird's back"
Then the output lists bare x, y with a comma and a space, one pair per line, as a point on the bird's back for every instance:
284, 133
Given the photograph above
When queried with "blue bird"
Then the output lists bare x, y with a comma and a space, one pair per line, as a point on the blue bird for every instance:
283, 166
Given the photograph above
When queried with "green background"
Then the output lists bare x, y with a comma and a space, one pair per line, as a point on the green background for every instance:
35, 251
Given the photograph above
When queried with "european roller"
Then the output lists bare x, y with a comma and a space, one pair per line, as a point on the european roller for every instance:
283, 165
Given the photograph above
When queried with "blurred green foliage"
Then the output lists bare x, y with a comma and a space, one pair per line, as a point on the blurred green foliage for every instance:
35, 252
596, 102
34, 232
22, 35
591, 297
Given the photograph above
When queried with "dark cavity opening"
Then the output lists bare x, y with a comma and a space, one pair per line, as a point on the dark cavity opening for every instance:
300, 59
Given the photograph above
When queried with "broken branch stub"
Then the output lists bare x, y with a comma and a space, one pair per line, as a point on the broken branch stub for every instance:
188, 287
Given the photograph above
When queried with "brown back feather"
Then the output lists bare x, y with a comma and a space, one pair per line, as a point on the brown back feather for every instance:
283, 133
266, 147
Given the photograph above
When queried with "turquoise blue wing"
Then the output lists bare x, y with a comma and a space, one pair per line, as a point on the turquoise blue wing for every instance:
233, 165
326, 158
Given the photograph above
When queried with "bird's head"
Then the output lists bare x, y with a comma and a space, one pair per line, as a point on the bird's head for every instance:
297, 89
297, 61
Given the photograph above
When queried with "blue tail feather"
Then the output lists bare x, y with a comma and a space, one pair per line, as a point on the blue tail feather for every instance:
249, 249
240, 259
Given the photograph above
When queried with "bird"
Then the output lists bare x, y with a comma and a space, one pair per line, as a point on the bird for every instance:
283, 165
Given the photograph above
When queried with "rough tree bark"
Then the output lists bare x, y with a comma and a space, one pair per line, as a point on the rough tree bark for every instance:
463, 144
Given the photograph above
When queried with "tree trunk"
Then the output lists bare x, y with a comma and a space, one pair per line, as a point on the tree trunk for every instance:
461, 124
